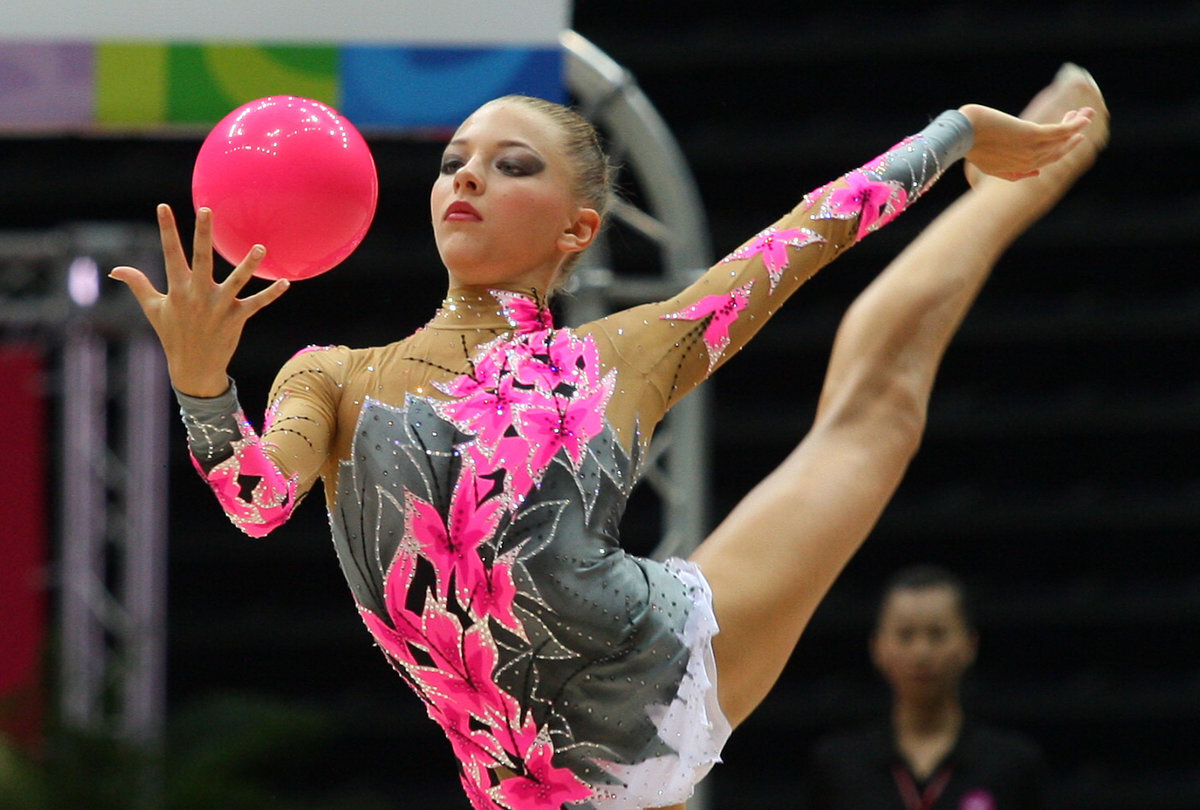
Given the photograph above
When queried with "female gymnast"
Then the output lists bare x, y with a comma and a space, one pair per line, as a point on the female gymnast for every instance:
475, 471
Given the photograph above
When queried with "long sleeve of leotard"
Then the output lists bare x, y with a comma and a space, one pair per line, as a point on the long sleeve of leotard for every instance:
258, 480
676, 344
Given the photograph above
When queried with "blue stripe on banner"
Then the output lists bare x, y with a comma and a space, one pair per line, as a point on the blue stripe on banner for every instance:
436, 88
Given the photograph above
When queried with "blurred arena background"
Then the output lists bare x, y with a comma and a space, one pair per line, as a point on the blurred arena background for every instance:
1059, 475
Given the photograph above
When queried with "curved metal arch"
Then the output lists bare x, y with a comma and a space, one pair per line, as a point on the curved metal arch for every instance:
673, 221
610, 97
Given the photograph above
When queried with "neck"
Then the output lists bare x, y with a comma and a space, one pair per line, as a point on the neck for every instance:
483, 292
926, 734
492, 307
928, 718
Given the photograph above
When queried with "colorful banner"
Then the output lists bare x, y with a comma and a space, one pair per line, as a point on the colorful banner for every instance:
400, 64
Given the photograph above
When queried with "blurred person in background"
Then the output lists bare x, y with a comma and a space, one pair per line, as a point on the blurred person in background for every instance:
929, 754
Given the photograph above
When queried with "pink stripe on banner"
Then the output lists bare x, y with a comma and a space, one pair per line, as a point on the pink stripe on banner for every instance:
46, 85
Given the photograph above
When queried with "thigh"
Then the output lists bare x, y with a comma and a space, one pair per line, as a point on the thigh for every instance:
773, 559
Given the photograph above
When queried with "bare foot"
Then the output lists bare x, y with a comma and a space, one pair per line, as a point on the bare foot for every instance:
1073, 88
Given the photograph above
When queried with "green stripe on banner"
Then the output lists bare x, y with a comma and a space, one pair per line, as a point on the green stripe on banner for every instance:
131, 83
205, 82
143, 83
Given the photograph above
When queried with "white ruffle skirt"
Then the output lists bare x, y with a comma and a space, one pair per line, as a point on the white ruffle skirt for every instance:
692, 724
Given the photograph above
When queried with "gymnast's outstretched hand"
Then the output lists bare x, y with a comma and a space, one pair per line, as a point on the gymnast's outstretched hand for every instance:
1013, 148
1073, 88
199, 320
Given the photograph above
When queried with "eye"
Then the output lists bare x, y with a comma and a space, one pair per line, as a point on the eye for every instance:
511, 168
519, 166
450, 164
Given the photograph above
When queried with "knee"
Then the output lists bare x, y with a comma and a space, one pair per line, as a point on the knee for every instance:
907, 415
889, 411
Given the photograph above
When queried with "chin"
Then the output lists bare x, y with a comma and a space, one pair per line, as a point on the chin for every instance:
470, 271
480, 278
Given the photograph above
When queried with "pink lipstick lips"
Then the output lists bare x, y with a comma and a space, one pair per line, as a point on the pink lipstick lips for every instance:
462, 212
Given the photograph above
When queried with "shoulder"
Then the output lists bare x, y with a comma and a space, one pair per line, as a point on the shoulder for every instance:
314, 367
343, 365
1006, 744
314, 357
859, 744
341, 357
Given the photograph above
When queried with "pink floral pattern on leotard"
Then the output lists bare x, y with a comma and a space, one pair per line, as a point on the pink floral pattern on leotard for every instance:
717, 312
524, 313
451, 667
529, 395
772, 245
874, 202
255, 495
451, 544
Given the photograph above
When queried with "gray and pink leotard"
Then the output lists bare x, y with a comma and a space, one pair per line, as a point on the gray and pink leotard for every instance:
475, 474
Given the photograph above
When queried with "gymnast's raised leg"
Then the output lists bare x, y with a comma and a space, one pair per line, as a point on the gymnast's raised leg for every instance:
776, 555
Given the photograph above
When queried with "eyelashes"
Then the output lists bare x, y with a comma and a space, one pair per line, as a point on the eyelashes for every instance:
524, 166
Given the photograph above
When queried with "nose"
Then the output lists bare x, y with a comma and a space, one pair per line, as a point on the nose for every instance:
916, 650
467, 179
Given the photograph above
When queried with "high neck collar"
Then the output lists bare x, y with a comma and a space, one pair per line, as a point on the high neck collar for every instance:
493, 308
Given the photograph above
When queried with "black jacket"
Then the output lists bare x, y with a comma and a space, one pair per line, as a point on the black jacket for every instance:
987, 769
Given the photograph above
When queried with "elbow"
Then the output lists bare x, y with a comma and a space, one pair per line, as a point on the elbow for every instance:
260, 525
262, 513
256, 496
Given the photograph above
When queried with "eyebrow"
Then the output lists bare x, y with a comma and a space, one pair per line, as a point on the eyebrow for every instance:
502, 144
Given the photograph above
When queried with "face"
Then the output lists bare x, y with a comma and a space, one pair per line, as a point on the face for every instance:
923, 646
504, 208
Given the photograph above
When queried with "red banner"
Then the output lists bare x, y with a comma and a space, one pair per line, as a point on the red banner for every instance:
24, 538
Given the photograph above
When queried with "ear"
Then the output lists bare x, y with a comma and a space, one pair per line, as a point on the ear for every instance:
581, 231
972, 649
873, 650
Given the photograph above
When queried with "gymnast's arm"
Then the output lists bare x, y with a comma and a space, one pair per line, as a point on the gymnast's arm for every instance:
681, 341
199, 322
259, 480
676, 344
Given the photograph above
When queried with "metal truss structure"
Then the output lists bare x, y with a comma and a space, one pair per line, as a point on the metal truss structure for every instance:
109, 383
